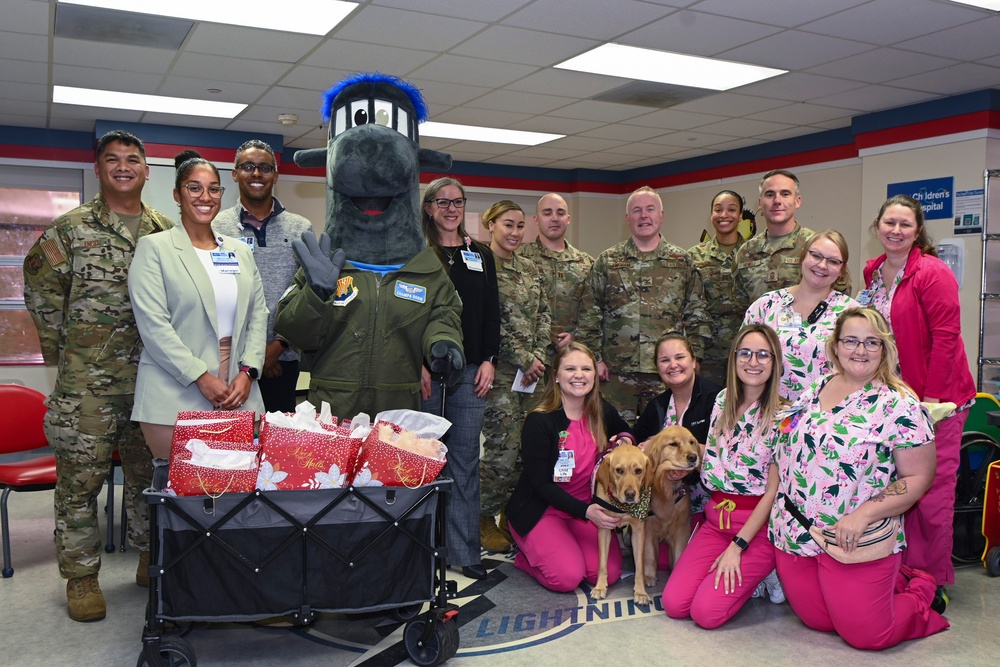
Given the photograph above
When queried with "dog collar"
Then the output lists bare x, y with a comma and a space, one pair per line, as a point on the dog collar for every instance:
639, 510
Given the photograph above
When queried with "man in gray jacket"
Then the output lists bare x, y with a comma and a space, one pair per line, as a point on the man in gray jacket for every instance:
264, 224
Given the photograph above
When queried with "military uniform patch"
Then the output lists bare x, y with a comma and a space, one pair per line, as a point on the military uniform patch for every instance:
52, 252
346, 291
33, 263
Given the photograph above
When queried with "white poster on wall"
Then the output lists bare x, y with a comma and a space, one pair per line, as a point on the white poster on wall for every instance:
968, 211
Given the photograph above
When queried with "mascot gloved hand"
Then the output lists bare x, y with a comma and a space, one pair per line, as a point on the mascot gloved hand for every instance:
447, 359
322, 269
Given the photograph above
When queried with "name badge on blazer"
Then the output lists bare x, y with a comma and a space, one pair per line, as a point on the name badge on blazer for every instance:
411, 292
225, 261
250, 241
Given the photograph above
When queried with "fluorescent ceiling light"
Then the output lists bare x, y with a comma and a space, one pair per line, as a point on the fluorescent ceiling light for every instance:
311, 17
992, 5
114, 100
630, 62
491, 134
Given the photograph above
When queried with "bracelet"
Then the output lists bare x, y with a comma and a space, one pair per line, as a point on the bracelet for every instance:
740, 542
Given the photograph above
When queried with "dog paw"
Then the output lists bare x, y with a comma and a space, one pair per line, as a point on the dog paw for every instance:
598, 593
642, 598
650, 581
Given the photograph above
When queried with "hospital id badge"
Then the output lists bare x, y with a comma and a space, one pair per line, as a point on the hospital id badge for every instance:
865, 297
473, 260
225, 261
564, 466
251, 242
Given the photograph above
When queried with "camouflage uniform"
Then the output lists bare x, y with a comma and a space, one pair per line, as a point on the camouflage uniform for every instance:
759, 267
564, 278
75, 286
525, 326
633, 298
715, 265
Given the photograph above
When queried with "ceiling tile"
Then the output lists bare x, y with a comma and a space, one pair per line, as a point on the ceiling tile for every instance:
312, 78
229, 40
557, 125
971, 41
16, 46
354, 56
784, 13
603, 111
529, 47
590, 144
406, 29
26, 92
729, 104
872, 98
565, 83
697, 34
26, 17
871, 21
472, 71
881, 65
494, 10
687, 138
624, 132
802, 113
672, 119
110, 56
106, 79
593, 19
181, 120
222, 69
742, 127
486, 118
953, 80
530, 103
798, 87
231, 91
24, 71
795, 50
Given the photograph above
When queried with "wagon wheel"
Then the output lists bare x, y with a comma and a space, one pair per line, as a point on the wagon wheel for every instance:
174, 652
993, 562
407, 613
977, 452
441, 645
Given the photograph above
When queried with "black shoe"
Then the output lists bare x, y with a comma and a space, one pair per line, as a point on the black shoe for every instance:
476, 571
941, 600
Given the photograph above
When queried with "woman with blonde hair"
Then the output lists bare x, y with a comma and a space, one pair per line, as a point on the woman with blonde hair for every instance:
552, 519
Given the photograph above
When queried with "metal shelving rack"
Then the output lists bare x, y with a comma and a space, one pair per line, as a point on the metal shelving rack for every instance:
986, 297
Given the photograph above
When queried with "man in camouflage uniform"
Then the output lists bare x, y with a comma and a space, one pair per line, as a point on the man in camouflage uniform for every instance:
714, 262
770, 261
638, 290
564, 269
75, 286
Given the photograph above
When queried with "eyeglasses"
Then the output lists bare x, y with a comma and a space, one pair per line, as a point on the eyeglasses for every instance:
445, 203
832, 262
249, 167
745, 354
872, 344
196, 190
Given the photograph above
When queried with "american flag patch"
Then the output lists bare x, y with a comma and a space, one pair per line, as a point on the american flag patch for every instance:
52, 252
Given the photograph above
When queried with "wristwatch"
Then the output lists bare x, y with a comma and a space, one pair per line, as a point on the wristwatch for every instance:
252, 372
740, 542
282, 342
493, 360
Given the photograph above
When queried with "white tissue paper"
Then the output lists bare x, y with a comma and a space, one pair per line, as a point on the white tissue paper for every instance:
220, 459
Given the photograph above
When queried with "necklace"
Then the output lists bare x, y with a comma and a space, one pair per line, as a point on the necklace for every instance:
451, 255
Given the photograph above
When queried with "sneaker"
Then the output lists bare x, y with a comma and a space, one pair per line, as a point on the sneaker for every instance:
142, 570
773, 586
941, 600
85, 599
490, 536
759, 592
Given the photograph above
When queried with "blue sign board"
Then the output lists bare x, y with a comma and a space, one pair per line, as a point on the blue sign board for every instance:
934, 195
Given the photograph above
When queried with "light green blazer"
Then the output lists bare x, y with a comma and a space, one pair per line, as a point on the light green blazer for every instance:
174, 306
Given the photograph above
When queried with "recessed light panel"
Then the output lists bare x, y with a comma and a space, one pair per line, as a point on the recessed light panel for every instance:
992, 5
110, 99
489, 134
630, 62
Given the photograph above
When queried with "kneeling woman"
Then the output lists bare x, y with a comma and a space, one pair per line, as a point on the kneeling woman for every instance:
550, 514
862, 450
730, 554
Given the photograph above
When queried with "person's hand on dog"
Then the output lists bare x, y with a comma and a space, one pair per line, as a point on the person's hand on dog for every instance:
322, 269
448, 360
727, 568
602, 518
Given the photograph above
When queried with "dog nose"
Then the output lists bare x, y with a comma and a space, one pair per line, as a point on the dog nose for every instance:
692, 458
630, 496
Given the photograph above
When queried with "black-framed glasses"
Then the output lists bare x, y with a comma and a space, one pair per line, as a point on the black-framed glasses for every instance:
445, 203
196, 190
262, 167
745, 354
872, 344
832, 262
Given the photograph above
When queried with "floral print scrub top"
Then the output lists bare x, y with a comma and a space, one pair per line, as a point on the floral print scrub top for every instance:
832, 462
737, 463
881, 296
803, 344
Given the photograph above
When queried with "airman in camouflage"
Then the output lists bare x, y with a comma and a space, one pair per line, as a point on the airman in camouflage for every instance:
76, 289
638, 290
525, 332
564, 269
713, 258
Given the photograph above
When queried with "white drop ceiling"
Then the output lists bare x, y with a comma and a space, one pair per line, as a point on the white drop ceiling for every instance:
490, 62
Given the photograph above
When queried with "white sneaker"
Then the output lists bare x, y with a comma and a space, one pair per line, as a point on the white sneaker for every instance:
773, 585
759, 592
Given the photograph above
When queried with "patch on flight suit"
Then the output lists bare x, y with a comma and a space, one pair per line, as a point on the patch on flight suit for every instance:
346, 291
33, 263
52, 252
411, 292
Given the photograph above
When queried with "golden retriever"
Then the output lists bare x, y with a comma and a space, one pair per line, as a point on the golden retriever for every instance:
623, 479
674, 453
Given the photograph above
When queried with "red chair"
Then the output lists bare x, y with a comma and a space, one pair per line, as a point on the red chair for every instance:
22, 411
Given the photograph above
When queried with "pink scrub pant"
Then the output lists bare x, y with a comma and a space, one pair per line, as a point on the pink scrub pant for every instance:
691, 591
870, 605
561, 552
930, 523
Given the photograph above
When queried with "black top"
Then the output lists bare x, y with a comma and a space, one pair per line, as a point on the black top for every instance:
696, 419
535, 490
480, 302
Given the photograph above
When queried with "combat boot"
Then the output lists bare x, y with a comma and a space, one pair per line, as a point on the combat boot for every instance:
490, 536
142, 570
502, 525
85, 599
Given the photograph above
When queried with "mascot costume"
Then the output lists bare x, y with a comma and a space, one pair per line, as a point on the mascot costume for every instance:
366, 315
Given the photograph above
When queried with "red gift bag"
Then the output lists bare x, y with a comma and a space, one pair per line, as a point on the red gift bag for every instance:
384, 464
211, 435
301, 459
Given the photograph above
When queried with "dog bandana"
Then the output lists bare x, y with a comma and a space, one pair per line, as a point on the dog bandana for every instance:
639, 510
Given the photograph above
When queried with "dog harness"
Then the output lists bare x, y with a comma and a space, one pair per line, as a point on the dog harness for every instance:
638, 510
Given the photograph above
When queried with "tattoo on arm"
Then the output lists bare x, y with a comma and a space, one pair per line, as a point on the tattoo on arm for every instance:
897, 488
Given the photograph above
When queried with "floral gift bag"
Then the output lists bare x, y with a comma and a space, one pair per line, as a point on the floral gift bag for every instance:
213, 453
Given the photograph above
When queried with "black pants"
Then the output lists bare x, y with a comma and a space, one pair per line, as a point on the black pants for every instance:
279, 393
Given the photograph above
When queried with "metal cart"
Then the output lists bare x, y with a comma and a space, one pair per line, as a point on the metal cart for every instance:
252, 556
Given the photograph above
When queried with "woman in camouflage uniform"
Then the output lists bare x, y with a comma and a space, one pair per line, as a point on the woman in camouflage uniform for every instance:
525, 329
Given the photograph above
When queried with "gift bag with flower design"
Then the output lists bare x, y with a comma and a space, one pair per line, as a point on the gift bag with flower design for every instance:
305, 451
402, 449
213, 453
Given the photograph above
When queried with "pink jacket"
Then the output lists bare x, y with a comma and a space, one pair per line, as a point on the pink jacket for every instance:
926, 320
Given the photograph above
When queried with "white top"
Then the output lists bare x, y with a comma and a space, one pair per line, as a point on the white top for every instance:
224, 286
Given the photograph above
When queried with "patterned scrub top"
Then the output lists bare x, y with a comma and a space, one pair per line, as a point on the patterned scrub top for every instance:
803, 344
881, 296
737, 463
832, 462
